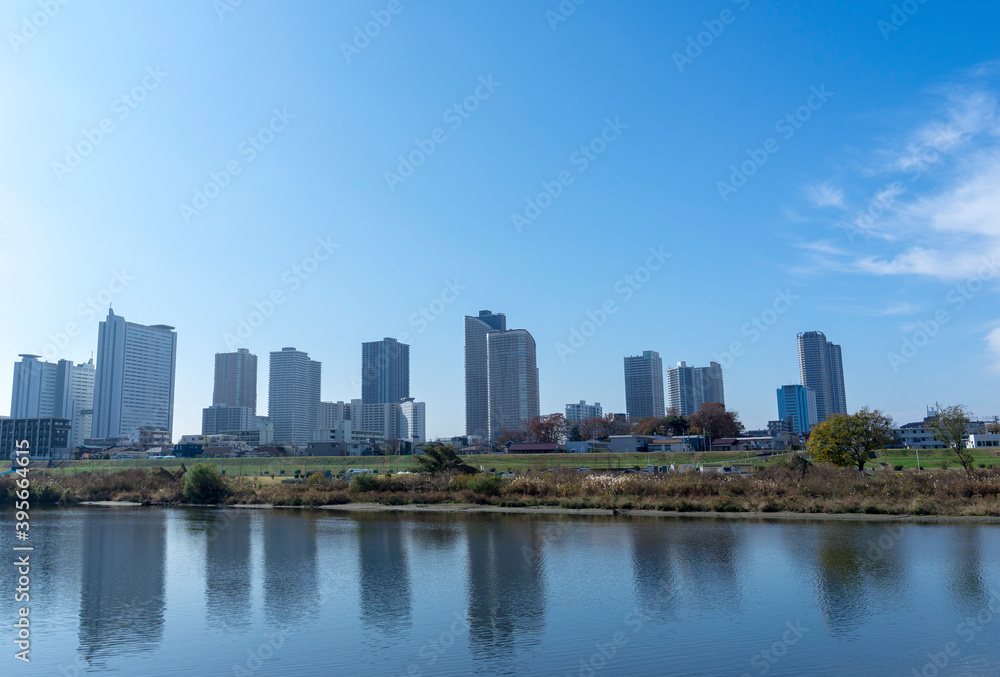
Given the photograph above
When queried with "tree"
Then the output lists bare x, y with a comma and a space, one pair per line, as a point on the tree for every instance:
574, 433
442, 458
204, 484
950, 426
993, 428
594, 429
666, 426
847, 440
506, 436
547, 429
392, 447
713, 420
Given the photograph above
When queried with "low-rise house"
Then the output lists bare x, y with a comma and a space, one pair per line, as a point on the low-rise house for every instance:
984, 441
533, 448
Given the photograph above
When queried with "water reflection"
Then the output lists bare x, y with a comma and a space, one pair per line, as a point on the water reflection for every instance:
964, 571
506, 573
384, 571
653, 569
227, 569
711, 576
291, 591
861, 570
122, 595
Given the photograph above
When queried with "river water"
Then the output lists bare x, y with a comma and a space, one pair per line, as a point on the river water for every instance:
150, 591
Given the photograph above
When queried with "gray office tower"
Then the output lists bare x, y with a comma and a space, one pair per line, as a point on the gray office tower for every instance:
293, 396
821, 367
134, 381
46, 390
644, 385
513, 380
690, 387
477, 379
236, 380
385, 372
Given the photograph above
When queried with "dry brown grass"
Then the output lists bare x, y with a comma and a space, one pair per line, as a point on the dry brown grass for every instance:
823, 489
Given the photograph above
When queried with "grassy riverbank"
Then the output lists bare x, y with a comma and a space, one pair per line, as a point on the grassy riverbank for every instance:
822, 490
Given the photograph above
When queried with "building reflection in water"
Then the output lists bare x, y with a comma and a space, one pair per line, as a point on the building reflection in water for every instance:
291, 583
709, 564
861, 570
227, 569
384, 574
654, 550
966, 581
506, 573
122, 584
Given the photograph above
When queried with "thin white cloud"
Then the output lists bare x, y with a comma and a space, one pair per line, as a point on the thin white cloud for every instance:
826, 195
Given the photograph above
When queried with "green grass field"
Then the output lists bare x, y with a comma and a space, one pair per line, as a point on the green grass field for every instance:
929, 460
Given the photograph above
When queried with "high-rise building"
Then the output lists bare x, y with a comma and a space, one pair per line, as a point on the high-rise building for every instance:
477, 375
413, 421
236, 379
220, 419
582, 411
798, 403
34, 394
821, 367
385, 371
690, 387
512, 380
293, 396
75, 398
63, 390
644, 385
330, 413
134, 378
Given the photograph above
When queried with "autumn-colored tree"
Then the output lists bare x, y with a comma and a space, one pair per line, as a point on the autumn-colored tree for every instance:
950, 426
547, 429
847, 440
672, 424
594, 429
993, 428
617, 425
506, 436
713, 420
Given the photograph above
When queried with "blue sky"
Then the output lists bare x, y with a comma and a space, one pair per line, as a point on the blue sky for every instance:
894, 115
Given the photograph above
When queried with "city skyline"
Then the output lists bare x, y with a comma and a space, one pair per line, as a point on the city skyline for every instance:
873, 219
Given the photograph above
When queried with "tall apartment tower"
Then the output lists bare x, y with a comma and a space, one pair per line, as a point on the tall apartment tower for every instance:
293, 396
690, 387
477, 380
821, 367
46, 390
134, 377
512, 380
236, 380
385, 371
644, 385
799, 404
34, 394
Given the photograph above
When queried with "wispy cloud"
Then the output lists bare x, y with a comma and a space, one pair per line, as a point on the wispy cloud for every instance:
826, 195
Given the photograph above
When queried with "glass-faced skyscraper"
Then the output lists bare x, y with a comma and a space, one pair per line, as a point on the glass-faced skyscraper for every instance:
477, 381
134, 378
293, 396
821, 367
385, 371
501, 376
644, 385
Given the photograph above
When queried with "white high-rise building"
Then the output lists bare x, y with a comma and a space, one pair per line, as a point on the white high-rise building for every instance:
293, 396
331, 413
583, 411
77, 399
134, 379
413, 421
